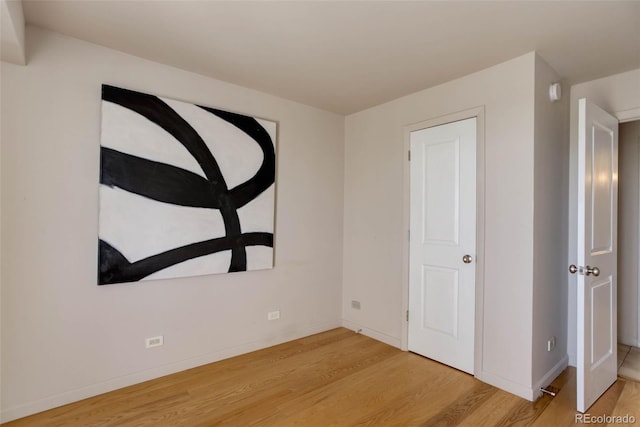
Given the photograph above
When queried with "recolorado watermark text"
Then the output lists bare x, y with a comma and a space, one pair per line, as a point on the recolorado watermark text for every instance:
604, 419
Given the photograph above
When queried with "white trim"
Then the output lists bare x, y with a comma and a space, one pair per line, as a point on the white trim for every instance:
550, 376
625, 117
518, 389
372, 333
637, 339
478, 113
628, 115
70, 396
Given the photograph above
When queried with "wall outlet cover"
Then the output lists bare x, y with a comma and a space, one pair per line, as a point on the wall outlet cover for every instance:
154, 341
273, 315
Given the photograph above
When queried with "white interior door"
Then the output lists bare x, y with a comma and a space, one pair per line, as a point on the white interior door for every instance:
596, 257
443, 243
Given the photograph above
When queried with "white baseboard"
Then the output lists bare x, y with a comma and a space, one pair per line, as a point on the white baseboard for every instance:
521, 390
518, 389
376, 335
629, 341
30, 408
573, 359
551, 375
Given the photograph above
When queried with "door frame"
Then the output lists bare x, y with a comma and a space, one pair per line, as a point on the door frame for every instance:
636, 144
627, 116
638, 237
479, 114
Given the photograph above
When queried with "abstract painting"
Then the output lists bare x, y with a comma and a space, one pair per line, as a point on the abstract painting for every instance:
185, 190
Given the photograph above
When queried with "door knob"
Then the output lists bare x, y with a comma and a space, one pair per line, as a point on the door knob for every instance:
587, 271
467, 259
595, 271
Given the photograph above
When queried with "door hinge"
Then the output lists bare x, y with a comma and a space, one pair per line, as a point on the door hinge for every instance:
407, 315
409, 155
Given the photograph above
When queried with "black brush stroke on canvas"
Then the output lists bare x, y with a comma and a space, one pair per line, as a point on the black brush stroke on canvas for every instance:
170, 184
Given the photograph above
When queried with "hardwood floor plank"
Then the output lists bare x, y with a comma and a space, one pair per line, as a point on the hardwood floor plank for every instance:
561, 411
348, 400
426, 389
303, 380
493, 410
463, 406
606, 403
336, 378
628, 403
525, 412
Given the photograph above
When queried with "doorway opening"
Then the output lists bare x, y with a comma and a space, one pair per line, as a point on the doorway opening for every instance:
629, 251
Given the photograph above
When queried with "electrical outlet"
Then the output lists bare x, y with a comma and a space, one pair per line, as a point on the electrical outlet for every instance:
551, 343
273, 315
355, 304
154, 341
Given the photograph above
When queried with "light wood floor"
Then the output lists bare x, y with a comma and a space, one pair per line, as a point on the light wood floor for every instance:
629, 362
336, 378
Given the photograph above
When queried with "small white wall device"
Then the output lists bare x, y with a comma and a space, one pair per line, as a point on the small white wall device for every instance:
555, 92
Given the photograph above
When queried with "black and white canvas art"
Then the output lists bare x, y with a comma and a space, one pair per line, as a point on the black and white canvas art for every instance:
185, 190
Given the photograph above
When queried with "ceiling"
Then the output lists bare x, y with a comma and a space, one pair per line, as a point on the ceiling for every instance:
346, 56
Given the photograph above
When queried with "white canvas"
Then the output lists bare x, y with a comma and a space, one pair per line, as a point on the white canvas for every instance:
184, 189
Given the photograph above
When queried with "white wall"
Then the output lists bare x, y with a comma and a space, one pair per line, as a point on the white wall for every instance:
550, 228
619, 95
629, 233
376, 218
12, 32
63, 337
